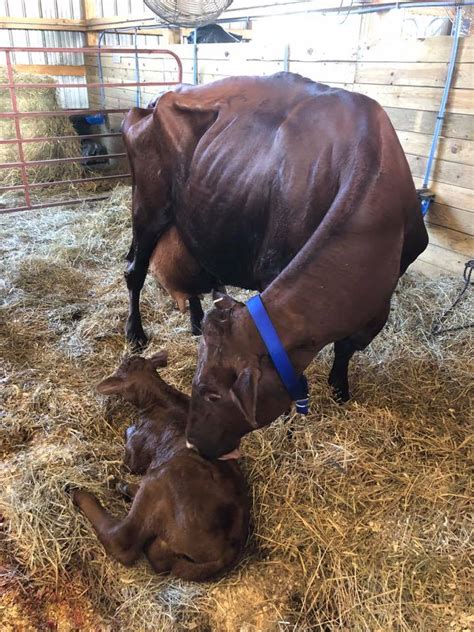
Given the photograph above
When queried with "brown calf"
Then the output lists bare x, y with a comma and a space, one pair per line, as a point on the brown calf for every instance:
189, 516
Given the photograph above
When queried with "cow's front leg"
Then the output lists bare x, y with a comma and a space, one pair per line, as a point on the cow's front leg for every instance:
144, 241
197, 314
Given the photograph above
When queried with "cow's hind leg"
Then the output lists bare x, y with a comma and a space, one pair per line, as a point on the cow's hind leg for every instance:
121, 539
344, 350
144, 241
196, 314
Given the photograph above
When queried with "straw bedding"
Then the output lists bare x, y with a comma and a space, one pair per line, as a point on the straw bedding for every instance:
361, 514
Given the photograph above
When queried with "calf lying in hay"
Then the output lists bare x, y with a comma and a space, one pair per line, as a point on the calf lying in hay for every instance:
189, 515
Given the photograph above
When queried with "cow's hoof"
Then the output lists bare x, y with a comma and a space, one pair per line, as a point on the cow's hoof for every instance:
196, 329
340, 395
137, 338
340, 390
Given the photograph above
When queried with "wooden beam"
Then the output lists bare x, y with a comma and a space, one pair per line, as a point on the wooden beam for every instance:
89, 12
99, 24
53, 71
42, 24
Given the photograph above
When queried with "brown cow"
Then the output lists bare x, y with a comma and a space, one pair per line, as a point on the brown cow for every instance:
282, 185
180, 275
190, 516
171, 263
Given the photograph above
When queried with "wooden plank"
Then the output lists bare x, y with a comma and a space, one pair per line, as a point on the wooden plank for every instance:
42, 24
452, 150
325, 71
429, 49
450, 217
452, 240
418, 98
443, 171
429, 269
456, 126
452, 262
413, 74
53, 71
451, 195
100, 23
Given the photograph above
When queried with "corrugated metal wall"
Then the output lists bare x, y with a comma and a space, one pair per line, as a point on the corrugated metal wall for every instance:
69, 98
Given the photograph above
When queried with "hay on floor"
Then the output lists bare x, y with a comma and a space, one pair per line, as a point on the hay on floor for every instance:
360, 519
37, 99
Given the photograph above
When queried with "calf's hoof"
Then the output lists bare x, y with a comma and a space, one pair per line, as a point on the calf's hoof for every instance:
69, 489
74, 493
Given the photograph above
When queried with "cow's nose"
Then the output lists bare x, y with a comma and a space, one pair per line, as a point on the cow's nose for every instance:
190, 446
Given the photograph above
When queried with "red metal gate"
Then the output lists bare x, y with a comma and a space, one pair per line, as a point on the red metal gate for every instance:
20, 140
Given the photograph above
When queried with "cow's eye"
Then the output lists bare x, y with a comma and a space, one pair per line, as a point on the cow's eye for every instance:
211, 397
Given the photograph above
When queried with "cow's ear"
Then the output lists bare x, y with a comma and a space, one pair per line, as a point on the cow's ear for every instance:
223, 301
244, 393
159, 359
111, 385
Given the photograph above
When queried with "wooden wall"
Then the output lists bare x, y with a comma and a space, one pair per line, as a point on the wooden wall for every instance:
405, 77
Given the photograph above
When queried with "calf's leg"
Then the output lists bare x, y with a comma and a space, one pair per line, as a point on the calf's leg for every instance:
119, 538
128, 490
344, 350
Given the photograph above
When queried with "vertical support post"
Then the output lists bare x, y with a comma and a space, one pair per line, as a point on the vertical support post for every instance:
137, 68
195, 59
101, 71
286, 58
19, 137
89, 12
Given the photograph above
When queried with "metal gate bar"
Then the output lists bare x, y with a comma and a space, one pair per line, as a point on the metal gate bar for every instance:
16, 115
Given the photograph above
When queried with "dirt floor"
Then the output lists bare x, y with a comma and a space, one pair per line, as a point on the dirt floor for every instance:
361, 517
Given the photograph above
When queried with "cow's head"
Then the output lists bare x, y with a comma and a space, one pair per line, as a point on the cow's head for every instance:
235, 387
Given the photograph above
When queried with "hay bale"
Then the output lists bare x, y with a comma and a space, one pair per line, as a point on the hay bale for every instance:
360, 520
37, 99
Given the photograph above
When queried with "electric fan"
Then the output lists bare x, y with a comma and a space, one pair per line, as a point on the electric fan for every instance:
188, 12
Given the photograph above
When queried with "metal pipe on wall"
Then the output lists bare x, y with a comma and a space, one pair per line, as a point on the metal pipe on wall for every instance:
427, 196
195, 59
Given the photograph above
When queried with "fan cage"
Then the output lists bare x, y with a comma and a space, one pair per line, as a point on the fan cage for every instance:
188, 13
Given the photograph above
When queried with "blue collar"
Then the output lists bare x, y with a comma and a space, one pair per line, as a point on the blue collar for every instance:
297, 386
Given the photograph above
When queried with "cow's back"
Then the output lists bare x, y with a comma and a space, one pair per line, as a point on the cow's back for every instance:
266, 172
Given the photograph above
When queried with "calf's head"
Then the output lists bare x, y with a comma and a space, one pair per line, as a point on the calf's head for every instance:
136, 380
235, 387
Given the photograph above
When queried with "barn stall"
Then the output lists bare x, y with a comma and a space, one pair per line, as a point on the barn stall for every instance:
361, 515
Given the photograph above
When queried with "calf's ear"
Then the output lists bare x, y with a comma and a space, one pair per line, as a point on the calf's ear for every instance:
159, 359
244, 393
111, 385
